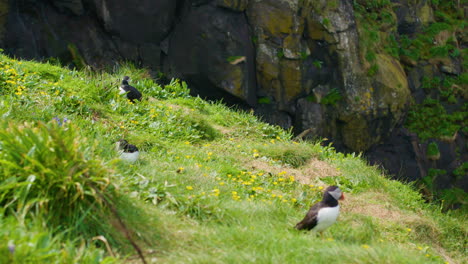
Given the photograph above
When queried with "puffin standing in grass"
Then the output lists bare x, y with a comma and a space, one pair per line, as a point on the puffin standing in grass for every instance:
132, 92
324, 213
128, 152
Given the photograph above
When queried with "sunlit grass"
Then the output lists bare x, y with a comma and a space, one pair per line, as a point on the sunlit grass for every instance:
212, 185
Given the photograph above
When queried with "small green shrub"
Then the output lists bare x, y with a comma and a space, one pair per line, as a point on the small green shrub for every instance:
317, 64
373, 70
174, 89
49, 169
294, 155
433, 151
431, 120
264, 100
332, 97
461, 171
453, 198
280, 53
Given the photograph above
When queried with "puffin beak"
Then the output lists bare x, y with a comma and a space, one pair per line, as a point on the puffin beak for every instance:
342, 196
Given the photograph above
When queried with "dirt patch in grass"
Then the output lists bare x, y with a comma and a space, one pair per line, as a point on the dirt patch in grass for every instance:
313, 169
377, 205
224, 130
372, 204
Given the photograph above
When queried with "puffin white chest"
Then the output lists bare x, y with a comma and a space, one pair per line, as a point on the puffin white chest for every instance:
326, 217
130, 157
122, 90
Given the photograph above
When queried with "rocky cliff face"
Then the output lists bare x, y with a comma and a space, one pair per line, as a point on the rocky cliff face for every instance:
318, 65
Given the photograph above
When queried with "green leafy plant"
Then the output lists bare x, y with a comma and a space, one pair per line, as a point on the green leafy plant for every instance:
430, 120
280, 53
461, 171
332, 97
432, 151
46, 168
317, 64
372, 71
264, 100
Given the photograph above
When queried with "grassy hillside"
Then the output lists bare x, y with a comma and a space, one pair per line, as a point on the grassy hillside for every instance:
213, 185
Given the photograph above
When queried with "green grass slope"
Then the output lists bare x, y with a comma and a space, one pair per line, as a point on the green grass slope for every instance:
213, 185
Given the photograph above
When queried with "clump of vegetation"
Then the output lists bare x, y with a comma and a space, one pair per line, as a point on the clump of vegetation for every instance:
332, 97
377, 31
264, 100
45, 168
462, 170
433, 152
430, 120
318, 64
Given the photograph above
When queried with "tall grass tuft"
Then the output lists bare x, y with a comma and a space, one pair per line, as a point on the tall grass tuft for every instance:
48, 169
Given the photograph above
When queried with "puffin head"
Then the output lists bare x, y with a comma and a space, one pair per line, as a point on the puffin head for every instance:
121, 144
125, 80
335, 192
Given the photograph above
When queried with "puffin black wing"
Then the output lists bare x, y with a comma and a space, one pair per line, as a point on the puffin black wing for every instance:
310, 220
130, 148
132, 92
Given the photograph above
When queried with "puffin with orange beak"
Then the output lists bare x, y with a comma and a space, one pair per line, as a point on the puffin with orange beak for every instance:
324, 213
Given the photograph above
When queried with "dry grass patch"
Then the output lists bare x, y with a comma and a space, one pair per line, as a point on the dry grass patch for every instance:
373, 204
224, 130
306, 174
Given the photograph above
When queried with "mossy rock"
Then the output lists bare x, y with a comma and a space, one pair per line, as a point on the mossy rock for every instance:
290, 77
391, 84
236, 5
233, 81
356, 134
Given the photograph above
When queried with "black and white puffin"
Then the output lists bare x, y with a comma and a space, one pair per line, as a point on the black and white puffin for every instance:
132, 92
324, 213
128, 152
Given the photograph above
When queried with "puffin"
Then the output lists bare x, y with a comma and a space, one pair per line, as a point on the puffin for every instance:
128, 152
324, 213
132, 92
